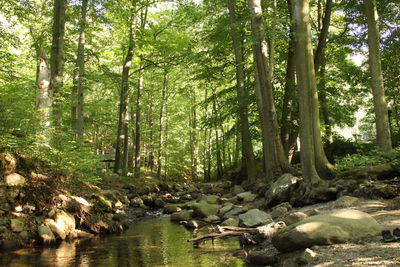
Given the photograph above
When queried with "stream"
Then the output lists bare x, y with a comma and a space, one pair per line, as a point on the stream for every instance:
150, 242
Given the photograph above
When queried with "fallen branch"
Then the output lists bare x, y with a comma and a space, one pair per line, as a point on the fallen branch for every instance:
196, 241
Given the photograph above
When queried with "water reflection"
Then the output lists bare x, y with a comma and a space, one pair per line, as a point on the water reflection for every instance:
152, 242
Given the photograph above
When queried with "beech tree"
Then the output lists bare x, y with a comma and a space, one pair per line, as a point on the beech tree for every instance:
383, 137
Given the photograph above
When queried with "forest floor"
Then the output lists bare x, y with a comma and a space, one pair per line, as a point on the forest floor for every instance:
369, 252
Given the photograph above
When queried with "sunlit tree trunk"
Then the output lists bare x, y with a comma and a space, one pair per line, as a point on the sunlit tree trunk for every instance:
247, 147
43, 100
79, 77
193, 136
219, 162
275, 159
161, 123
121, 153
383, 136
57, 60
306, 82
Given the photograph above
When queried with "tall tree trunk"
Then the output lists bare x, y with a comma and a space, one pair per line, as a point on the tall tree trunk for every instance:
193, 136
219, 166
43, 100
57, 60
383, 137
79, 77
121, 153
289, 131
206, 143
275, 158
151, 126
306, 80
161, 123
137, 125
242, 95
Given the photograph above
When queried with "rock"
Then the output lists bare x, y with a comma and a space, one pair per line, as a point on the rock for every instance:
345, 202
254, 217
294, 217
45, 234
17, 225
297, 258
203, 209
280, 190
7, 164
14, 179
182, 216
339, 226
237, 189
56, 229
246, 197
235, 211
231, 222
267, 231
169, 208
83, 234
263, 257
212, 219
136, 202
118, 205
225, 208
210, 199
280, 210
64, 222
193, 224
159, 203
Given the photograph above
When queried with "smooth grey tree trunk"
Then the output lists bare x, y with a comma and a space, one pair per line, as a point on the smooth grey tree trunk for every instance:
242, 95
383, 136
306, 81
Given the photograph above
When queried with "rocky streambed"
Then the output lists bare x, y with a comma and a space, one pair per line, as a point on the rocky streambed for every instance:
38, 208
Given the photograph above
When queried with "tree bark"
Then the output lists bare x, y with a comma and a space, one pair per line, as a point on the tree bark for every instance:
383, 136
57, 60
43, 100
79, 77
121, 154
289, 130
275, 159
306, 80
242, 95
137, 125
161, 123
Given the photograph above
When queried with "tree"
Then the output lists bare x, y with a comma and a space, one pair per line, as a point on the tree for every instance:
273, 150
383, 137
79, 77
57, 59
242, 96
121, 151
307, 94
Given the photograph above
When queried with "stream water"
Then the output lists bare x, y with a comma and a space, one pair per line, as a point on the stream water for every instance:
150, 242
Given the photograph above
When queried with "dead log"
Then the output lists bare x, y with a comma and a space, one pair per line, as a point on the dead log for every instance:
374, 172
196, 241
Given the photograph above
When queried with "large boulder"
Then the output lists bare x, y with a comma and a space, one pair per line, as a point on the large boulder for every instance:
14, 179
280, 190
203, 209
182, 216
254, 217
235, 211
339, 226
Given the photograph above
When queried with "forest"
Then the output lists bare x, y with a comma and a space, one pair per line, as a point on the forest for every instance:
200, 90
231, 113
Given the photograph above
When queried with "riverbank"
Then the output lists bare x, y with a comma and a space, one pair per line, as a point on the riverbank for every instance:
41, 207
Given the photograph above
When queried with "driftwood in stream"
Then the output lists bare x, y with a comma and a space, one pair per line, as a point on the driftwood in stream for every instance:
265, 232
196, 241
376, 172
